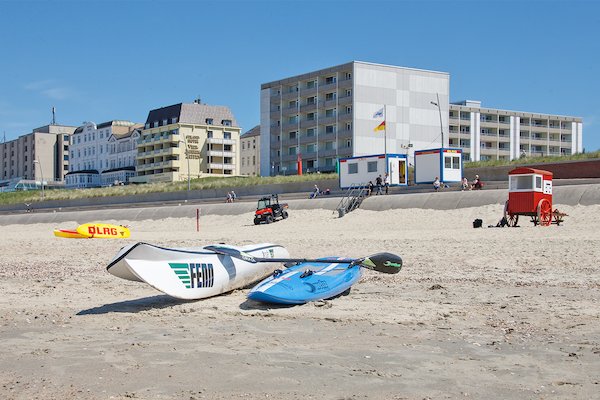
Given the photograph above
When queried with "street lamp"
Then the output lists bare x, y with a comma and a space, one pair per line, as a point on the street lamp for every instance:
440, 112
41, 173
188, 159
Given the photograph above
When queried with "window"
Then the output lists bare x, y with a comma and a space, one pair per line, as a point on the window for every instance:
227, 135
329, 146
174, 120
311, 100
330, 112
293, 119
353, 168
293, 104
348, 126
292, 150
311, 84
330, 96
293, 135
348, 92
226, 122
330, 79
310, 116
209, 121
348, 109
209, 134
311, 148
310, 132
165, 122
372, 166
348, 75
253, 160
243, 145
330, 129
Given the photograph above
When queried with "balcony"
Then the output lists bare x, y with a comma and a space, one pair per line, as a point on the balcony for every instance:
220, 141
214, 153
221, 166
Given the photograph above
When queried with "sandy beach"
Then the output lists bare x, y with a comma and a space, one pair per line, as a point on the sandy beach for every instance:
475, 313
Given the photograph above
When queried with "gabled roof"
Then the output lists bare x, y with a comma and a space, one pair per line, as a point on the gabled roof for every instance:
252, 132
192, 113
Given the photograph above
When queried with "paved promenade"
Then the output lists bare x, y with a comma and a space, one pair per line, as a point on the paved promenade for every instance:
568, 195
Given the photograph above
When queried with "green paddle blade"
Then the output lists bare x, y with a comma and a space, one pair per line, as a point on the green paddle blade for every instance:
386, 263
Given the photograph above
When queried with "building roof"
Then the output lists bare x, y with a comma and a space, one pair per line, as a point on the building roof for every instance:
119, 127
252, 132
192, 113
336, 68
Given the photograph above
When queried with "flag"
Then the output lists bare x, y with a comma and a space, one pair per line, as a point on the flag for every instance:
378, 114
380, 127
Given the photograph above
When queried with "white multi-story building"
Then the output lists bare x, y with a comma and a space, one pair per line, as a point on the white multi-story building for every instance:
328, 114
103, 154
492, 134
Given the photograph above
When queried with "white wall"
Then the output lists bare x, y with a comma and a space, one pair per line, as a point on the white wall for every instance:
410, 116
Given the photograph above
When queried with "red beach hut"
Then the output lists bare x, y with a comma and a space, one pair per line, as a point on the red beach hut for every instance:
529, 194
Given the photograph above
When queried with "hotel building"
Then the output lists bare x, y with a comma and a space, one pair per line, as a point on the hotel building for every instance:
491, 134
328, 114
40, 155
103, 154
188, 140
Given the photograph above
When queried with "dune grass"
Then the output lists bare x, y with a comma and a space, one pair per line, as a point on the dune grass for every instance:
532, 160
32, 196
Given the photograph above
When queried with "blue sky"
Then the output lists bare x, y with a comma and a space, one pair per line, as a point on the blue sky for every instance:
98, 61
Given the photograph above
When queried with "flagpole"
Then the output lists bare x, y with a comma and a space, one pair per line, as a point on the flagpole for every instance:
385, 136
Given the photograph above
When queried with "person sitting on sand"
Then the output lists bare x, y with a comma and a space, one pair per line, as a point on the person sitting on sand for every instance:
436, 184
477, 184
465, 184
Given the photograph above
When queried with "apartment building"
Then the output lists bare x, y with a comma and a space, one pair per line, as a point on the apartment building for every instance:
40, 155
327, 114
250, 152
188, 140
492, 134
103, 154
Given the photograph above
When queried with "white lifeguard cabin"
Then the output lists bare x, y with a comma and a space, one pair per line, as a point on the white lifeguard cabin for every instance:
355, 171
445, 163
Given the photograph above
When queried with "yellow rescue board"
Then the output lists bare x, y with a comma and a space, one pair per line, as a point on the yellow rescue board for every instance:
103, 231
69, 233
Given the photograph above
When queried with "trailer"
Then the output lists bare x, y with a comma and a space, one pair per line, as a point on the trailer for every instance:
444, 163
358, 171
530, 194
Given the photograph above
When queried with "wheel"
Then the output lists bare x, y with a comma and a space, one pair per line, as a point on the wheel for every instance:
511, 219
269, 219
284, 214
544, 212
256, 221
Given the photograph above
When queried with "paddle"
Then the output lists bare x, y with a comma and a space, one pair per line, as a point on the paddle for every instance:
386, 263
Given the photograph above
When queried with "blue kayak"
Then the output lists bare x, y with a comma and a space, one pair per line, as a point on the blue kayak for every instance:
307, 281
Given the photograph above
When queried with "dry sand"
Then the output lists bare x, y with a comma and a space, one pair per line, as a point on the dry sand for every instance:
475, 313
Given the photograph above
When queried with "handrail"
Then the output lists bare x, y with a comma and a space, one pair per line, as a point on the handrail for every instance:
354, 196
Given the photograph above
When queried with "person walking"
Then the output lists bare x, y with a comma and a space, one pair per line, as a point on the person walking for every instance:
378, 184
386, 182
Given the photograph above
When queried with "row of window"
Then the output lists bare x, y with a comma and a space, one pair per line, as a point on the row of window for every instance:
313, 83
